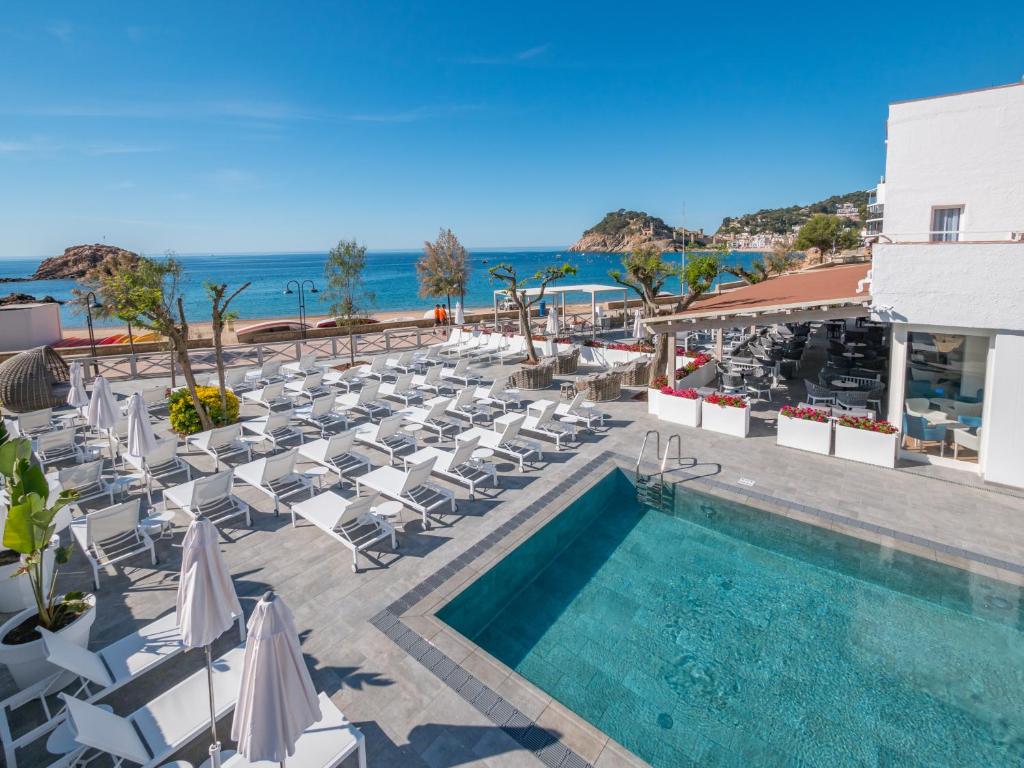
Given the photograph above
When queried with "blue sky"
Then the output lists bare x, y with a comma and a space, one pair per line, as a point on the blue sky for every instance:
263, 126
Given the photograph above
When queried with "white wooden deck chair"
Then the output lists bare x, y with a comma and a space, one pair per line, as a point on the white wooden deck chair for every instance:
221, 442
401, 389
85, 479
158, 729
405, 362
460, 373
348, 378
59, 445
320, 413
505, 441
378, 368
110, 535
413, 488
576, 410
32, 423
431, 380
432, 416
336, 454
210, 497
269, 372
274, 428
268, 396
350, 521
495, 395
324, 744
365, 401
310, 386
306, 364
387, 436
161, 463
544, 423
457, 466
276, 477
464, 404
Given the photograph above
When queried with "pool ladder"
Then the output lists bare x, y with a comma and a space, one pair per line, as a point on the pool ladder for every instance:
651, 489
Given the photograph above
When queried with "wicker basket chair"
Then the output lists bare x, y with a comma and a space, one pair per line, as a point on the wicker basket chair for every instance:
635, 373
600, 387
568, 362
539, 376
35, 379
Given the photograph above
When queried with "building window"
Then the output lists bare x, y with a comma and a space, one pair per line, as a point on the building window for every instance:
946, 224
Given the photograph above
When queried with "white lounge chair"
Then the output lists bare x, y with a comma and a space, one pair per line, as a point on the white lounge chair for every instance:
310, 386
158, 729
489, 348
274, 428
405, 362
320, 413
306, 364
84, 479
59, 445
504, 439
496, 395
413, 488
110, 535
159, 464
431, 380
32, 423
461, 374
348, 378
457, 466
276, 477
377, 369
266, 373
587, 414
401, 389
365, 401
336, 454
221, 442
431, 416
540, 419
464, 404
234, 379
95, 675
210, 497
269, 396
387, 436
353, 522
428, 358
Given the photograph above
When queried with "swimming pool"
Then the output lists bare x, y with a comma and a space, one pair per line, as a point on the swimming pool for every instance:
725, 636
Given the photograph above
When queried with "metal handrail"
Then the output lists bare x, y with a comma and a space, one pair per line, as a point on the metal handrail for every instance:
668, 448
643, 446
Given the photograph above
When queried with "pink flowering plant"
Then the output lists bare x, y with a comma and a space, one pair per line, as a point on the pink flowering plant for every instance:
726, 401
688, 394
869, 425
698, 362
643, 346
806, 414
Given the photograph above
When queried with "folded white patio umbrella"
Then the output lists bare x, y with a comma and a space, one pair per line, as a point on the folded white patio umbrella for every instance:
102, 412
552, 327
638, 326
207, 603
141, 440
276, 697
460, 316
77, 396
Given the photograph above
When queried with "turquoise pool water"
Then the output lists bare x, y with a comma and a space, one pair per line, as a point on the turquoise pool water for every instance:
722, 636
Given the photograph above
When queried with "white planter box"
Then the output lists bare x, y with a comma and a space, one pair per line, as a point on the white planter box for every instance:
603, 357
867, 447
699, 378
725, 419
678, 410
653, 401
814, 436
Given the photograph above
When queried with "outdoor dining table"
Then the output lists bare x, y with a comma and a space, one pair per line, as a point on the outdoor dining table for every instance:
845, 384
852, 354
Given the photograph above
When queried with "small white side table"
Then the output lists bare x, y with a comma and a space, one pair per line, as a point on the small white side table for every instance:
317, 473
392, 512
159, 521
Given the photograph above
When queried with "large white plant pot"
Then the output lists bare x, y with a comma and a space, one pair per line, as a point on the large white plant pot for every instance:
814, 436
699, 378
725, 419
16, 591
27, 662
865, 446
653, 401
678, 410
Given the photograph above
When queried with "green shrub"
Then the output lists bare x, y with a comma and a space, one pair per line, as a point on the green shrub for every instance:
185, 420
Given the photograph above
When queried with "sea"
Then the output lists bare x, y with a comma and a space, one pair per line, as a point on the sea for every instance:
389, 275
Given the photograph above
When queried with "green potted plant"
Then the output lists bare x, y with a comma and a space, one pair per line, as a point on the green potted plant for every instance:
29, 530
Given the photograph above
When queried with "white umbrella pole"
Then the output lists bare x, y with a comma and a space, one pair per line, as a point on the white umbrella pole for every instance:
215, 745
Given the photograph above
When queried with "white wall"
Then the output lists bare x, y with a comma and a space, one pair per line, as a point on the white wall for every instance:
1004, 412
24, 326
964, 149
961, 285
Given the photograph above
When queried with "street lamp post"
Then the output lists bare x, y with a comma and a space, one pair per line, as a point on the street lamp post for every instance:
300, 287
92, 303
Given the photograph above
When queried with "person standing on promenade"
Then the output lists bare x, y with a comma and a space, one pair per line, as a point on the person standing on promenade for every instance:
437, 318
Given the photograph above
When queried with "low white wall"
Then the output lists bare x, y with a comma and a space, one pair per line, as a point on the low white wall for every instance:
1003, 430
961, 285
24, 326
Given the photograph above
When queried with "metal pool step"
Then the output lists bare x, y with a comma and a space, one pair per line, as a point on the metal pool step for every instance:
652, 491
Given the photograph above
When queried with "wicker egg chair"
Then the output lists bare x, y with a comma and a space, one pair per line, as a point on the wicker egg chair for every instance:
32, 380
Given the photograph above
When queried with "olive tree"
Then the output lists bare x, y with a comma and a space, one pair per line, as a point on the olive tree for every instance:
516, 288
346, 293
220, 314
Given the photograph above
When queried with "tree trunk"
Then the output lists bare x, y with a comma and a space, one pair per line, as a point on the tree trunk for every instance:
351, 344
659, 361
524, 325
218, 355
181, 349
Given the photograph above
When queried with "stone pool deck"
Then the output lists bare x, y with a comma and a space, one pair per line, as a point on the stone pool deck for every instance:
360, 632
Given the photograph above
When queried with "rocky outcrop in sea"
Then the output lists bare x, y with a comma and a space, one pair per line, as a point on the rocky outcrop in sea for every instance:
76, 261
24, 298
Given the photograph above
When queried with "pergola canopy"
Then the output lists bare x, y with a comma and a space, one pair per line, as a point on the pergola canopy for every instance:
561, 290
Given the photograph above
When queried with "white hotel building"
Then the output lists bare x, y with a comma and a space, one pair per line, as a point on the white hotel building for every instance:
948, 270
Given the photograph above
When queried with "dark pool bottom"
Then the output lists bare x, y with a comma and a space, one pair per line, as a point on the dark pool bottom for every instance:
720, 635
